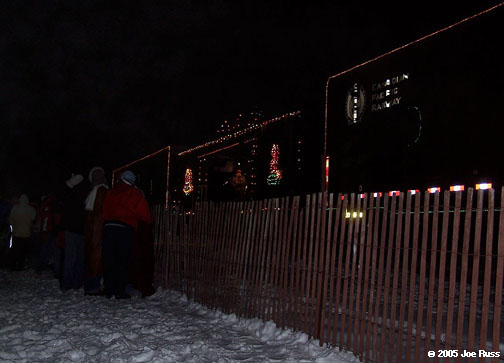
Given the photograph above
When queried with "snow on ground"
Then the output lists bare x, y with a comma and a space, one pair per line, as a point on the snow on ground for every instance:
39, 323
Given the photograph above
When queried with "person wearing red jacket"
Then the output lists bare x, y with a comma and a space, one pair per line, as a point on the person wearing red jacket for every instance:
123, 206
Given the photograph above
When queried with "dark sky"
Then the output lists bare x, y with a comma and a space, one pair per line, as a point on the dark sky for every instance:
86, 83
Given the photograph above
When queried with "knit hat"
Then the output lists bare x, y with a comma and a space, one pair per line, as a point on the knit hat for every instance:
96, 168
128, 177
74, 180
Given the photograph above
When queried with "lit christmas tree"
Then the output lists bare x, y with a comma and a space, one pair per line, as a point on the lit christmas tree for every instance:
275, 174
188, 182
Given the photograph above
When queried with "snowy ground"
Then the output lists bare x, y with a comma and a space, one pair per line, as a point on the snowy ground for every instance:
39, 323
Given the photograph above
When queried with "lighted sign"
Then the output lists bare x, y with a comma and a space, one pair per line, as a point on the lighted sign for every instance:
386, 93
355, 103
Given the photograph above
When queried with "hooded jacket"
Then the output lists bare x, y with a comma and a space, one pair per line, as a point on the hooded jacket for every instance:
21, 218
126, 204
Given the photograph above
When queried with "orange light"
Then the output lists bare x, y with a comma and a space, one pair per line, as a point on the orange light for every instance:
433, 190
457, 188
484, 186
394, 192
327, 173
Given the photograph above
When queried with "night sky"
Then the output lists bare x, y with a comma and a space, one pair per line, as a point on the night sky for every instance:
87, 83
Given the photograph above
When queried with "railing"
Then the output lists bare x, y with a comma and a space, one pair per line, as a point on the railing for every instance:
388, 278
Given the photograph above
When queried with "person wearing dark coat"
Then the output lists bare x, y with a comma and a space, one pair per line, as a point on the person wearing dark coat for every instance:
72, 224
93, 231
124, 206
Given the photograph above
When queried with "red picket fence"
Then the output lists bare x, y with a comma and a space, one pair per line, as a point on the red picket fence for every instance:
388, 278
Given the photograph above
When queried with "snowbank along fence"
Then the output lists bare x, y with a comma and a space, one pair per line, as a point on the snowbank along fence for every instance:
386, 277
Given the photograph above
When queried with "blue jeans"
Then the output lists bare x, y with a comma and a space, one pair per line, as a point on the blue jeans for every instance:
116, 251
73, 263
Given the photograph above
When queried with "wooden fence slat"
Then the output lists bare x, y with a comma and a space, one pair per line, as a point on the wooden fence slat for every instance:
374, 263
254, 253
316, 269
421, 286
379, 284
475, 274
273, 265
442, 269
346, 274
307, 296
327, 253
463, 273
290, 213
351, 289
364, 323
499, 279
453, 270
293, 270
270, 216
395, 280
487, 277
388, 278
282, 241
299, 268
414, 260
360, 315
269, 248
405, 274
432, 272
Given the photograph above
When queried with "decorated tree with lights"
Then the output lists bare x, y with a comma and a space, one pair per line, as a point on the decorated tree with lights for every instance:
275, 174
188, 182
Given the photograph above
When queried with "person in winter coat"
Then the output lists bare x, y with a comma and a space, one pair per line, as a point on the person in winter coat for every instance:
47, 239
72, 224
93, 230
124, 206
21, 218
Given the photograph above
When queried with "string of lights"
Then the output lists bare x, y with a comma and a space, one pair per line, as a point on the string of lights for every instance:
236, 134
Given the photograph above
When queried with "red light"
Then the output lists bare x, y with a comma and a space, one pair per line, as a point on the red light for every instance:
394, 192
483, 186
433, 190
342, 197
413, 191
376, 195
361, 196
456, 188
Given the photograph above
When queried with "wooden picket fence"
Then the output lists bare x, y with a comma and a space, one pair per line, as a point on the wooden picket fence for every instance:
387, 278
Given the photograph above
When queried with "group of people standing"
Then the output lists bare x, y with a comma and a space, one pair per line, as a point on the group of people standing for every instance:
89, 232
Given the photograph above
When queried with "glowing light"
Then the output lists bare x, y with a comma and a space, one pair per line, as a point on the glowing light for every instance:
362, 196
483, 186
456, 188
394, 193
433, 190
413, 191
188, 185
376, 195
342, 197
275, 174
327, 173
